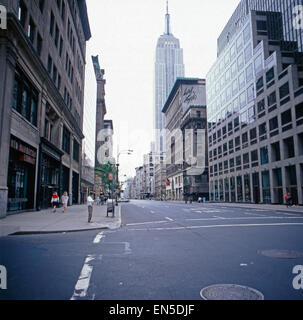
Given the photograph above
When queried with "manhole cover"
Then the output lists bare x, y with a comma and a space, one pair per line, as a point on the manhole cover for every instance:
230, 292
281, 254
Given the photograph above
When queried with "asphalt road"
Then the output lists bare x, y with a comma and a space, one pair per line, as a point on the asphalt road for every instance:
164, 251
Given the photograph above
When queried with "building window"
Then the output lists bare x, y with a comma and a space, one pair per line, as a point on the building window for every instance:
66, 140
54, 74
49, 64
22, 14
273, 124
275, 152
31, 30
76, 148
261, 106
25, 98
51, 24
289, 148
284, 90
270, 75
264, 155
260, 84
41, 5
258, 64
57, 36
39, 44
272, 99
286, 117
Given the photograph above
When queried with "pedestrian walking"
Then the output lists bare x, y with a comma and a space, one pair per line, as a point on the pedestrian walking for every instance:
90, 203
64, 200
55, 201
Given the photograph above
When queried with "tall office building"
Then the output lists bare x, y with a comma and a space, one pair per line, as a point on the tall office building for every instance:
169, 65
42, 72
255, 105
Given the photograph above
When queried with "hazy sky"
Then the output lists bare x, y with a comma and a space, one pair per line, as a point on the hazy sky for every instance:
124, 35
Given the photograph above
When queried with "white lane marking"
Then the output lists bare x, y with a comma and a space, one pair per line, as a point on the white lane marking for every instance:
142, 223
169, 219
152, 212
84, 278
243, 218
222, 226
99, 237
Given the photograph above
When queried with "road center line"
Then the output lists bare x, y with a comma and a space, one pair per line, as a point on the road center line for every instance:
169, 219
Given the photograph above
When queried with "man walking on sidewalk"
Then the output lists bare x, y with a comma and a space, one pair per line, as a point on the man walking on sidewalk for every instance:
90, 203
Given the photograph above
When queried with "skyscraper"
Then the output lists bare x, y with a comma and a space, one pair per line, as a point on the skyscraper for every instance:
168, 66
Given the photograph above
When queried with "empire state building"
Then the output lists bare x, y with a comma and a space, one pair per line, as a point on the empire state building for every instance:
168, 67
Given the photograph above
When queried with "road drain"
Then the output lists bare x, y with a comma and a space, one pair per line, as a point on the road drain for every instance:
230, 292
281, 254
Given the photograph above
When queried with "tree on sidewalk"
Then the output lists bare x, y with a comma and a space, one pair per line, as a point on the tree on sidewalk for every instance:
104, 171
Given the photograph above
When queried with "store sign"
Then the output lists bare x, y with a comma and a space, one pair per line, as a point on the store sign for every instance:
28, 154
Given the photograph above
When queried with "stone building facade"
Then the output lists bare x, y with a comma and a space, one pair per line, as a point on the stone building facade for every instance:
42, 63
182, 159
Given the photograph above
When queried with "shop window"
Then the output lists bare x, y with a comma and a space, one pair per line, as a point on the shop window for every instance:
239, 189
266, 187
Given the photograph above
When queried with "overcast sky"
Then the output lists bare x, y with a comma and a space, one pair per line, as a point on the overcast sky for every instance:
124, 35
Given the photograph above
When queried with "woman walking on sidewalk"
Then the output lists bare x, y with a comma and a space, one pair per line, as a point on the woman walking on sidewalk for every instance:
64, 200
90, 203
55, 201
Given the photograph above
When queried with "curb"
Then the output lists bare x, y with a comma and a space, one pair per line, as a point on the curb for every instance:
21, 233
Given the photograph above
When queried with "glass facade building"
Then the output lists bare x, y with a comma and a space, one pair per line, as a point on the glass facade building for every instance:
255, 101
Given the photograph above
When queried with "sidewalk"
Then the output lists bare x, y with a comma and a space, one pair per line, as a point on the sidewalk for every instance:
74, 219
270, 207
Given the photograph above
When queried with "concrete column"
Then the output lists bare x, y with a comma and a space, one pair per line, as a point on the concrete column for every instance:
284, 181
261, 187
8, 59
299, 169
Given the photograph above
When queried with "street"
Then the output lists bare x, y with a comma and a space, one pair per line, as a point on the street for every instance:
164, 251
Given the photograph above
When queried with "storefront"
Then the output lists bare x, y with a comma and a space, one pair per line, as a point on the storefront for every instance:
21, 176
49, 173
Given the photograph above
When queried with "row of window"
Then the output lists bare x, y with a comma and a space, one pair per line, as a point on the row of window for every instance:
258, 157
284, 92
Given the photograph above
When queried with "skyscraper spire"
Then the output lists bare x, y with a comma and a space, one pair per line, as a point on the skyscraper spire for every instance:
167, 20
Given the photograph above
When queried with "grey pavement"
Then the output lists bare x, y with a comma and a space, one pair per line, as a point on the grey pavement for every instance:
74, 219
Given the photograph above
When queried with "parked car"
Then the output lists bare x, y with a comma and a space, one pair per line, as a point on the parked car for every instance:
123, 200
